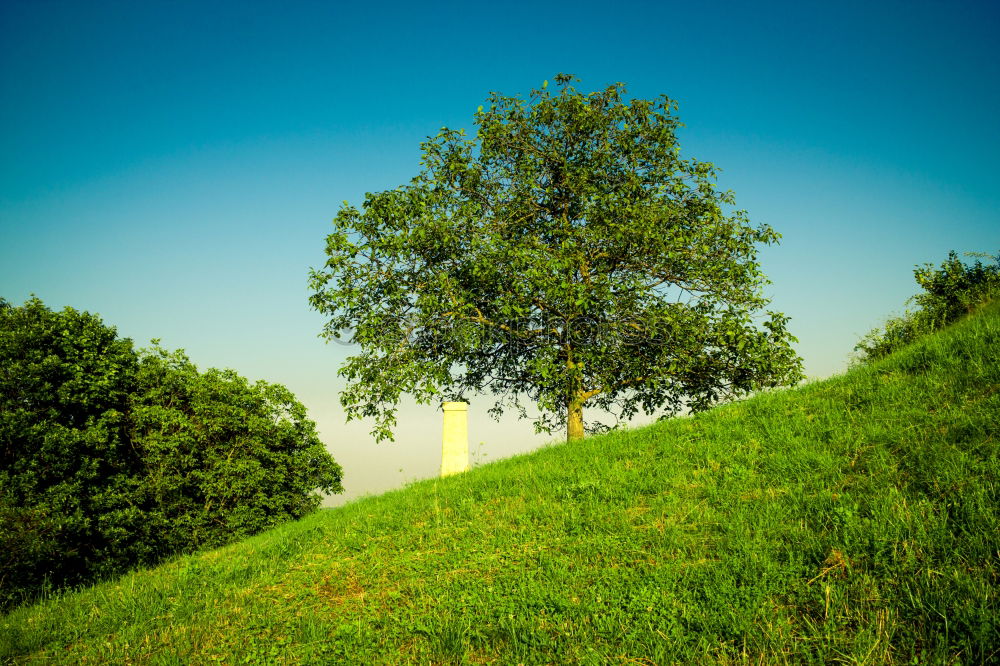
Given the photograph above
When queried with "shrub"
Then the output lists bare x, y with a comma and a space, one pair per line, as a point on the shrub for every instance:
950, 292
112, 458
67, 472
223, 458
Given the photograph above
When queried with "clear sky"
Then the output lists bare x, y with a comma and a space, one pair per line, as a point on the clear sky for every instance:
174, 166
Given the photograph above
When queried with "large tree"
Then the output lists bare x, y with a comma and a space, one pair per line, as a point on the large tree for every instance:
567, 256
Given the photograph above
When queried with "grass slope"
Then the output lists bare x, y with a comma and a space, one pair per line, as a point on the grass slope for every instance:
854, 520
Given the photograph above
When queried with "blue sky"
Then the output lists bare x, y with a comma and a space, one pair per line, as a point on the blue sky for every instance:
175, 166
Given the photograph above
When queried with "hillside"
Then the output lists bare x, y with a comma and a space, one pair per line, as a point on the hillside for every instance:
852, 519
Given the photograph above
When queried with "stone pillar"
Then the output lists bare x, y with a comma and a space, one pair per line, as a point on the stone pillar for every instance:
455, 439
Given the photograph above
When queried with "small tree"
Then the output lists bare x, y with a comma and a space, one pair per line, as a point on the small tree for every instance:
111, 458
68, 489
951, 291
223, 458
567, 255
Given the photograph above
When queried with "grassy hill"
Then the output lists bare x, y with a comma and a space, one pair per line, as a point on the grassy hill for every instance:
854, 519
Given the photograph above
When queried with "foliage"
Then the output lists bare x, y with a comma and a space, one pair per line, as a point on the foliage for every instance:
113, 458
68, 474
950, 292
843, 522
223, 458
567, 255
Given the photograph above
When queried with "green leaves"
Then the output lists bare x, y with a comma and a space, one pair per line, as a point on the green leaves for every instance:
255, 458
951, 291
565, 253
113, 458
64, 383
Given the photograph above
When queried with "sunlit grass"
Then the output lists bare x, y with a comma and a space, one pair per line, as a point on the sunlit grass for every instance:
853, 520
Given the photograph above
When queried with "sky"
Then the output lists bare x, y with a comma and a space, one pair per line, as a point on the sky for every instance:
174, 166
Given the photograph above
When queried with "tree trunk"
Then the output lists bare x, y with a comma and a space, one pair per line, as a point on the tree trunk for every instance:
574, 421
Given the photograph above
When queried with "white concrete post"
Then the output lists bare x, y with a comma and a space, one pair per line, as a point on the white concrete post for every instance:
455, 438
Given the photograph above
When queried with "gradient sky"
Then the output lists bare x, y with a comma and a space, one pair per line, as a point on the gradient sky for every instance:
174, 166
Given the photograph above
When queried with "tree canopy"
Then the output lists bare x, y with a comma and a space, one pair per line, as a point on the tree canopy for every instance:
112, 457
67, 471
223, 458
565, 257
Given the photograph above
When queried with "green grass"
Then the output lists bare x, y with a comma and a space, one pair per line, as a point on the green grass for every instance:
853, 520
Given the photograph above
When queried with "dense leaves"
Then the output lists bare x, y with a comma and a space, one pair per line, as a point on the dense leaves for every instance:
223, 458
67, 472
566, 256
950, 291
110, 458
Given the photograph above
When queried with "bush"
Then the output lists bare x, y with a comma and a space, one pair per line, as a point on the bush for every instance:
67, 470
950, 292
112, 458
224, 458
